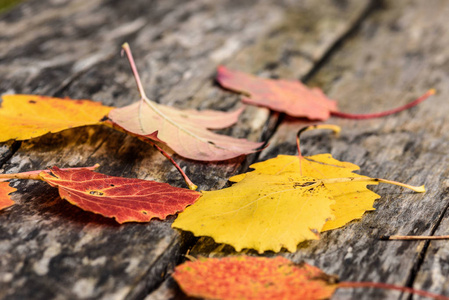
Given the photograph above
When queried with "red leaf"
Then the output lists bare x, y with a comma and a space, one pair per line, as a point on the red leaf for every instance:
293, 97
125, 199
290, 97
5, 190
246, 277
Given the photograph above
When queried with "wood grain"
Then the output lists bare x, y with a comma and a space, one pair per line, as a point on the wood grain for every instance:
397, 54
53, 250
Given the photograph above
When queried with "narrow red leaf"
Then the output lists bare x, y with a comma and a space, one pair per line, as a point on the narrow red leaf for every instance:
125, 199
293, 97
290, 97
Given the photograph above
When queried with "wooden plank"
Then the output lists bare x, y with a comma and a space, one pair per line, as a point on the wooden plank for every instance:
432, 273
397, 55
54, 250
391, 61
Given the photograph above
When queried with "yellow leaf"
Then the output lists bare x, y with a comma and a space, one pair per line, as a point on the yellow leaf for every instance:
351, 199
263, 212
24, 117
284, 201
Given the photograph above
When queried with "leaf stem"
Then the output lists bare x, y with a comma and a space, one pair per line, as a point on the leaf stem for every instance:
151, 104
334, 128
146, 139
386, 286
128, 52
384, 113
190, 184
418, 189
34, 175
413, 237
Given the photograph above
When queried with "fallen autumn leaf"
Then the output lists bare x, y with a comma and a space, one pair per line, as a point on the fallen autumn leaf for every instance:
184, 131
125, 199
24, 117
293, 97
284, 201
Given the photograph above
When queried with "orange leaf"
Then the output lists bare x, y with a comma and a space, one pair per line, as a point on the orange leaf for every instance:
246, 277
290, 97
5, 190
24, 117
125, 199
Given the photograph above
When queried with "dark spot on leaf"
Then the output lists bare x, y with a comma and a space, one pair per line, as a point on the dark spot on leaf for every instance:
96, 193
308, 183
31, 101
144, 212
111, 184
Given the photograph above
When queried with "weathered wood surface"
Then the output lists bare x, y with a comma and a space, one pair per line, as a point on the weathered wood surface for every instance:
52, 250
397, 54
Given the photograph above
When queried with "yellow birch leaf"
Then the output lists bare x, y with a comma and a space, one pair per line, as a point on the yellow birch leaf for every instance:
262, 212
284, 201
351, 199
24, 117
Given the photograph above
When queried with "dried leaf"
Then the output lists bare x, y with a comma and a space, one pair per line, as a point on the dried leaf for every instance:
284, 201
24, 117
290, 97
5, 190
352, 199
262, 212
125, 199
245, 277
293, 97
185, 131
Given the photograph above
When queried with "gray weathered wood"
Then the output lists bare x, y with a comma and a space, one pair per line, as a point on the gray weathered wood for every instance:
398, 53
53, 250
